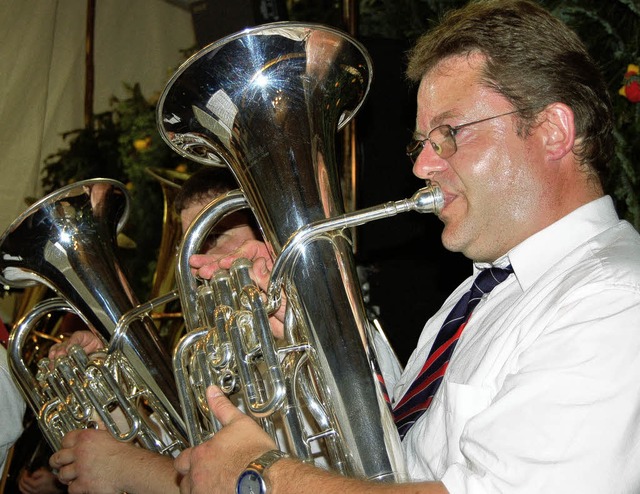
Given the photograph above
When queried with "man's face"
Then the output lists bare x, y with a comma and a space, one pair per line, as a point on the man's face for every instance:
494, 181
227, 236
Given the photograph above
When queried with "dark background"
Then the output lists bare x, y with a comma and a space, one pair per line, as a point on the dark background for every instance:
410, 272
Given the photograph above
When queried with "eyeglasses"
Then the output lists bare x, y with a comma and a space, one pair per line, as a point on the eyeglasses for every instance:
443, 138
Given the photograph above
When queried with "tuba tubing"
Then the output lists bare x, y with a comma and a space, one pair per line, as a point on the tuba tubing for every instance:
426, 200
43, 408
429, 199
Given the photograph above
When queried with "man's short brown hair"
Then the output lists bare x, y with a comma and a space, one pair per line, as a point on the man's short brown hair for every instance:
533, 59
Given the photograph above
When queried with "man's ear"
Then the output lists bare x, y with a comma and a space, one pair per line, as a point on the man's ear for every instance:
558, 129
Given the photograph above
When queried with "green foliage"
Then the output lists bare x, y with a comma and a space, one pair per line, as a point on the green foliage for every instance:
92, 152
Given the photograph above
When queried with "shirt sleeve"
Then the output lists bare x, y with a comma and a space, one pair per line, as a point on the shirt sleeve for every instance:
390, 366
12, 408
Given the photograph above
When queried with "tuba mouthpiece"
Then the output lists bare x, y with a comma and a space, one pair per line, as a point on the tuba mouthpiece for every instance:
429, 199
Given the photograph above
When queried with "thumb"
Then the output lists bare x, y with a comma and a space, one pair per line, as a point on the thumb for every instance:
182, 463
225, 411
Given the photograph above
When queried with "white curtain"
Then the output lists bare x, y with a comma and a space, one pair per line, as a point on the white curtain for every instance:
42, 70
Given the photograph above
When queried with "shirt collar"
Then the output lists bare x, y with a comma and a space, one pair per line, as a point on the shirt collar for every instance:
533, 257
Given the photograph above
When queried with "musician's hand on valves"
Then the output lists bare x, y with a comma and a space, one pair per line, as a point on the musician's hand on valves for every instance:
90, 461
205, 265
86, 339
215, 465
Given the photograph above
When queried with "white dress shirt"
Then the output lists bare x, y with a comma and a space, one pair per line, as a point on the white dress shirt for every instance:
542, 393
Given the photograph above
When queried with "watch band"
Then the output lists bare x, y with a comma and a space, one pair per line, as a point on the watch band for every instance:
265, 460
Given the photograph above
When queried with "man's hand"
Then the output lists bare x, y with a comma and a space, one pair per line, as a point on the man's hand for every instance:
86, 339
215, 465
205, 265
41, 481
90, 461
93, 461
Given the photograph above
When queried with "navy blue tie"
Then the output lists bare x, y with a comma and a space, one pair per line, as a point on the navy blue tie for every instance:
419, 395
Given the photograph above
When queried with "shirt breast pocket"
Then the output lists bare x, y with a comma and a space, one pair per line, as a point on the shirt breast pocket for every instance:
461, 402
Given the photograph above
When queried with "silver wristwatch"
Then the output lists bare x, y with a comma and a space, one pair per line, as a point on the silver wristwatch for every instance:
251, 481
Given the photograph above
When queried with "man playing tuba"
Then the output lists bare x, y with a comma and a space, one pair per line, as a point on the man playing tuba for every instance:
537, 391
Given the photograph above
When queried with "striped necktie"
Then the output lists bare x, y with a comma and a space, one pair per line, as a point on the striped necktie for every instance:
419, 395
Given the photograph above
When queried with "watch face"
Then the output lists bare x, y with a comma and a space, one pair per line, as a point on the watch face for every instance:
251, 482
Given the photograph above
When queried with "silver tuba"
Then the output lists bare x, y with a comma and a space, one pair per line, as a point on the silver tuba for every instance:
66, 241
267, 103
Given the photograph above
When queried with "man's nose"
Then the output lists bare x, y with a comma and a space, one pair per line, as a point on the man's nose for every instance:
428, 162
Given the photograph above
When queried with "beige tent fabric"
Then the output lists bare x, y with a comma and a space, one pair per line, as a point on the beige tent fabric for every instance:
42, 69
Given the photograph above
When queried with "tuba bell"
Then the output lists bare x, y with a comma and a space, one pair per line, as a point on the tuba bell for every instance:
170, 182
167, 316
66, 241
267, 103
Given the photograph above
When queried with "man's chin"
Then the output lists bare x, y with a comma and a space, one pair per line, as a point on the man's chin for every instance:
453, 239
449, 241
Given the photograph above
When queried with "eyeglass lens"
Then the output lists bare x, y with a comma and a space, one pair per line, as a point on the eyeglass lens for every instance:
441, 139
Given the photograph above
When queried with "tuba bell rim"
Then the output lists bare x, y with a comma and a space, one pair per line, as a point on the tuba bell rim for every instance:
263, 29
50, 199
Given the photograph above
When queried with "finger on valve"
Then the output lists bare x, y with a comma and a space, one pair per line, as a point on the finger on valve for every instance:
89, 342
